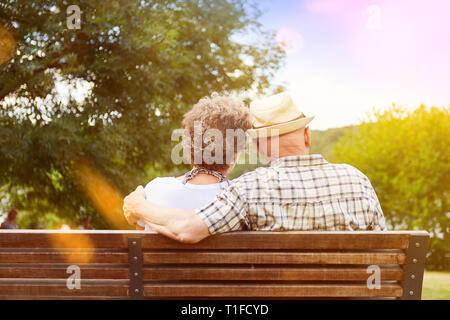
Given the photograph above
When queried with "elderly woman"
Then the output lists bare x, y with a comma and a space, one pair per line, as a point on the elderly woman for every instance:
214, 118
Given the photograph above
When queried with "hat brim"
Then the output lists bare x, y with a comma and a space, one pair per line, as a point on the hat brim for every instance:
280, 128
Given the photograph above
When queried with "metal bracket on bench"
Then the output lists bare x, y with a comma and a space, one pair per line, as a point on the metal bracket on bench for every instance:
135, 266
414, 267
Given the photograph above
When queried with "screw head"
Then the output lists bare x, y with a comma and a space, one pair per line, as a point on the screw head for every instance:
413, 276
414, 260
136, 274
135, 258
134, 243
411, 293
417, 245
137, 291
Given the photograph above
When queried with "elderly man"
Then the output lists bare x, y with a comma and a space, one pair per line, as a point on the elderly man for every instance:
297, 191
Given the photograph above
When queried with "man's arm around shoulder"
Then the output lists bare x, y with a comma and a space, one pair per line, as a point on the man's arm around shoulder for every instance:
179, 224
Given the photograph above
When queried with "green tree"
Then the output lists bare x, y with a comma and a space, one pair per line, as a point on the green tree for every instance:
133, 68
406, 156
323, 141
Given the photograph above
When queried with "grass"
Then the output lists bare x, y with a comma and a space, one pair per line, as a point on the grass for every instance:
436, 285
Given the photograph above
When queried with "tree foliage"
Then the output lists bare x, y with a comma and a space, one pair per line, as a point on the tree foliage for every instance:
323, 141
133, 68
406, 156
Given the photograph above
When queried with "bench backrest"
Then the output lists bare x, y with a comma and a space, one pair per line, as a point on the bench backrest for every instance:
38, 264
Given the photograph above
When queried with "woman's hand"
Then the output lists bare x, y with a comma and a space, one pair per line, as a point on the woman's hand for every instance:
133, 205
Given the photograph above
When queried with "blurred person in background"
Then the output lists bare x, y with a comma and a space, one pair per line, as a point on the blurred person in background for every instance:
10, 222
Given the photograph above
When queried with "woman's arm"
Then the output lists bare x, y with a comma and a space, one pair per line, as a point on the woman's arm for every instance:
179, 224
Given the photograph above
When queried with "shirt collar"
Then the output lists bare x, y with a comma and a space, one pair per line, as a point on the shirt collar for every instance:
299, 161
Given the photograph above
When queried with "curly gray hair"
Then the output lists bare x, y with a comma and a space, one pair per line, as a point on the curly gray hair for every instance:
222, 113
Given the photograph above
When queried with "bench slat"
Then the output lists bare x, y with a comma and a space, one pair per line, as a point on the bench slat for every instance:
55, 256
290, 240
216, 257
276, 274
241, 240
87, 272
205, 273
60, 290
59, 297
275, 257
258, 291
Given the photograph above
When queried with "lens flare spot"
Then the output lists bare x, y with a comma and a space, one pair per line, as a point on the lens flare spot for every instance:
78, 248
7, 45
107, 200
289, 40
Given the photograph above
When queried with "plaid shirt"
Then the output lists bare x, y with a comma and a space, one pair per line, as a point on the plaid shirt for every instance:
296, 193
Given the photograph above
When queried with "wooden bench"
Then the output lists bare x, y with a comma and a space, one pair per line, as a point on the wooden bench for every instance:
35, 264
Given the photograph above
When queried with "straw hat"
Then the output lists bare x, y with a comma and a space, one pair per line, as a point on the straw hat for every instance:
275, 115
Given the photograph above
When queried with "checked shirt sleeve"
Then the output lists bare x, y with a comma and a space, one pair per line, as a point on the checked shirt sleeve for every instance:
378, 222
226, 213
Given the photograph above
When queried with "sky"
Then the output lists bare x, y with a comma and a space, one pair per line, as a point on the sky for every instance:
345, 57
